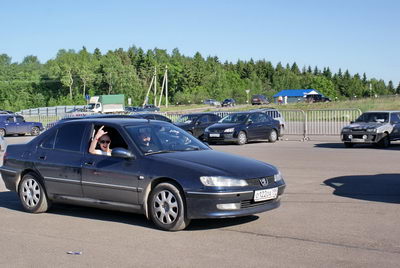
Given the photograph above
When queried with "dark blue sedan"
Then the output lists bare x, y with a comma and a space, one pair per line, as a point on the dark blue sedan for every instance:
171, 177
243, 127
16, 124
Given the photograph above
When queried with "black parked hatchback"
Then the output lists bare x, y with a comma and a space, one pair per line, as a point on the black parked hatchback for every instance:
242, 127
177, 180
228, 102
195, 124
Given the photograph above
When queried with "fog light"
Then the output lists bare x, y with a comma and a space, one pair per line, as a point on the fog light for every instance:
350, 136
365, 137
230, 206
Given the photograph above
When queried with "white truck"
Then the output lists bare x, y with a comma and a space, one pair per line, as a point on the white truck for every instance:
107, 104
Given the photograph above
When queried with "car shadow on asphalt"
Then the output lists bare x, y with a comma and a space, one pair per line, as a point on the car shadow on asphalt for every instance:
11, 201
378, 188
337, 145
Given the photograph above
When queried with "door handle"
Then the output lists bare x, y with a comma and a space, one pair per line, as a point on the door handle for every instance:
42, 157
89, 163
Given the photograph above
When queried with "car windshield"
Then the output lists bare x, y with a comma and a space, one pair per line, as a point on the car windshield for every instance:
234, 118
374, 117
154, 139
187, 119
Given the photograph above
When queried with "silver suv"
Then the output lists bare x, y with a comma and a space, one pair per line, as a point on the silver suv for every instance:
374, 127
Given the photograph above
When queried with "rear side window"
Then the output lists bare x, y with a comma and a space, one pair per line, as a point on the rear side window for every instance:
69, 137
19, 119
48, 142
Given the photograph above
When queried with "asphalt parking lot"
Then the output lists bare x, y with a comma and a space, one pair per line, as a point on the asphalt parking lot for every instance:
340, 209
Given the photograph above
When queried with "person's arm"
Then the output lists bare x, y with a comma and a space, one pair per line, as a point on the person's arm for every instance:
100, 132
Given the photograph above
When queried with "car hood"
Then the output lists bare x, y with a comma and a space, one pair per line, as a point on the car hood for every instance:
219, 126
364, 125
210, 162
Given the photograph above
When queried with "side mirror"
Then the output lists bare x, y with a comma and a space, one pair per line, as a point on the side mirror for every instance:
351, 122
198, 123
249, 122
122, 153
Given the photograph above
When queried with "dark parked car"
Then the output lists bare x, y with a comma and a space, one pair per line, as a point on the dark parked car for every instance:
15, 124
151, 108
228, 102
317, 98
259, 100
182, 179
195, 124
242, 127
151, 116
380, 128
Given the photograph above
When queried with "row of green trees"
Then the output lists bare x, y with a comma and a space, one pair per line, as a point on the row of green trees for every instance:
66, 79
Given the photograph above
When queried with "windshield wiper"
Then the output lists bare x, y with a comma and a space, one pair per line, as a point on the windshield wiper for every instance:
159, 152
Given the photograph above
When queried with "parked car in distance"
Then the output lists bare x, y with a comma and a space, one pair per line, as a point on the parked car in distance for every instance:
151, 108
259, 100
317, 98
242, 127
374, 127
151, 116
196, 123
212, 102
228, 102
179, 180
16, 124
275, 114
6, 112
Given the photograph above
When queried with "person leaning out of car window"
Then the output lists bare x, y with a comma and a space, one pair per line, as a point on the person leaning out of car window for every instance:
103, 140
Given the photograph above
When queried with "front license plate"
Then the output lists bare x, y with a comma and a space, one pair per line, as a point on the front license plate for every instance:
357, 140
266, 194
214, 134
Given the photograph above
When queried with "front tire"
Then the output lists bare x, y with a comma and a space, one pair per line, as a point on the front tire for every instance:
35, 131
32, 194
384, 142
242, 138
167, 207
2, 132
273, 136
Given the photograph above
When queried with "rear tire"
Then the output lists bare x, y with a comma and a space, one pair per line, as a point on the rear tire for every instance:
167, 207
273, 136
242, 138
32, 194
35, 131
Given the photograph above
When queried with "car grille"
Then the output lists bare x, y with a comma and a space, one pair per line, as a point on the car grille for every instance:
252, 204
217, 131
256, 181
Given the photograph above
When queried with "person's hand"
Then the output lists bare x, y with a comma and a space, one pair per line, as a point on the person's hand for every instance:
100, 133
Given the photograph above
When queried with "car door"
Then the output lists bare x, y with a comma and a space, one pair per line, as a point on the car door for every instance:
10, 125
200, 125
109, 178
254, 127
395, 121
21, 126
266, 122
59, 159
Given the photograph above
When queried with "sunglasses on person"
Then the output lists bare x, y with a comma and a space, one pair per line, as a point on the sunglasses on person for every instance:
104, 141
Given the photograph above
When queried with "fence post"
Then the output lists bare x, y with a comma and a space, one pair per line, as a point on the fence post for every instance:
305, 126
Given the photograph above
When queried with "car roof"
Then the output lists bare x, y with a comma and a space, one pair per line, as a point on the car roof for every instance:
117, 121
383, 111
197, 114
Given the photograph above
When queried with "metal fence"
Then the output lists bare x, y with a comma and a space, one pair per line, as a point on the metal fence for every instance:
296, 122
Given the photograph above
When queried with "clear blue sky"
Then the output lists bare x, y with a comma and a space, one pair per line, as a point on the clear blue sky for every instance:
358, 35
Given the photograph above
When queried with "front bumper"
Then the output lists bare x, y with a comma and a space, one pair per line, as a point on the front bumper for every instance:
202, 205
223, 137
361, 137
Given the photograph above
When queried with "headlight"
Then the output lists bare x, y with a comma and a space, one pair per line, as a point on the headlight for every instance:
371, 130
346, 130
229, 130
278, 177
218, 181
